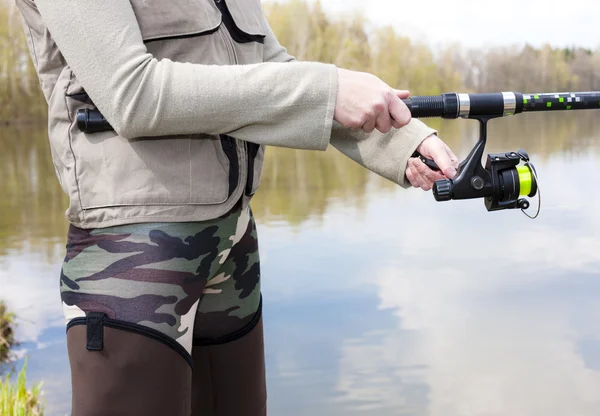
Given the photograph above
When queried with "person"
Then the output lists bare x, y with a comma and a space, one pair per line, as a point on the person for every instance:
160, 283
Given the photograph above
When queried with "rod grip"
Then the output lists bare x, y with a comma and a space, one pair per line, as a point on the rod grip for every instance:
425, 106
445, 105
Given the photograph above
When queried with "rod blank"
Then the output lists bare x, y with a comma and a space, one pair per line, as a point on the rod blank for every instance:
456, 105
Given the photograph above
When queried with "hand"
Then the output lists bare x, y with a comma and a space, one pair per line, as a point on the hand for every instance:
419, 175
365, 102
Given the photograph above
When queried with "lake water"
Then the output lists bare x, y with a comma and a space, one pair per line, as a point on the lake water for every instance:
378, 300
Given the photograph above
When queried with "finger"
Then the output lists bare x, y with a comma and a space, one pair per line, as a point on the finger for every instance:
453, 158
369, 125
420, 177
411, 177
384, 122
423, 183
419, 181
442, 158
399, 112
402, 94
430, 175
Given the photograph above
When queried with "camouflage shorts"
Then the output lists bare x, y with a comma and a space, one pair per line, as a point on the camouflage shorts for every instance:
196, 283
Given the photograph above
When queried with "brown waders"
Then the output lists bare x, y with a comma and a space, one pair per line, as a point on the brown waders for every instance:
165, 319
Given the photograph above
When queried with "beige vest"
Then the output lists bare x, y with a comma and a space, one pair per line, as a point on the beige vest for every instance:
111, 180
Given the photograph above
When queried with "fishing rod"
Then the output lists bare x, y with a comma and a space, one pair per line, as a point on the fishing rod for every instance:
502, 182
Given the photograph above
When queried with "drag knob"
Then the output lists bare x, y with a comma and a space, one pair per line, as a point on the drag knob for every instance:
442, 190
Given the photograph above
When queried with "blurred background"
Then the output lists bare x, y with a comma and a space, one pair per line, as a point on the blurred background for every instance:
379, 300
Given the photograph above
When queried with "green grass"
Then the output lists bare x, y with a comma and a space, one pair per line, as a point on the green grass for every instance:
7, 336
17, 400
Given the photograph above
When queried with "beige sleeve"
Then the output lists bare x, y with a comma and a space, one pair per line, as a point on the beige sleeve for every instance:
142, 96
385, 154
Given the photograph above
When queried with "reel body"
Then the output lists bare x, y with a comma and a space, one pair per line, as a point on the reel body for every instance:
503, 183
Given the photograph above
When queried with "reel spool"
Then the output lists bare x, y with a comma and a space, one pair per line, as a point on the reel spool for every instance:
510, 181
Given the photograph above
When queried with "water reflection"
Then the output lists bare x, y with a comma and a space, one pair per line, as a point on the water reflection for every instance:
501, 314
32, 209
378, 300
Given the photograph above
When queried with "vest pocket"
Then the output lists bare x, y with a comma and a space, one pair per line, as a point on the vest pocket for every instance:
160, 19
112, 171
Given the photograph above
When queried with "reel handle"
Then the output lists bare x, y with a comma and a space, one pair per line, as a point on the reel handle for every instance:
442, 189
428, 162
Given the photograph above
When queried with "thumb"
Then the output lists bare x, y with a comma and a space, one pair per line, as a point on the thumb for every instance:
402, 94
399, 112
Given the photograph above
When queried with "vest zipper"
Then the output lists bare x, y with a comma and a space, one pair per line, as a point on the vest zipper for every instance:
238, 35
227, 38
252, 150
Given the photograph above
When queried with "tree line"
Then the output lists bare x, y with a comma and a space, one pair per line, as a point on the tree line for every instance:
21, 98
403, 62
309, 33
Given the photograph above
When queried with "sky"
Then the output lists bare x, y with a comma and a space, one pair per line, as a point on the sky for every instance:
484, 23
